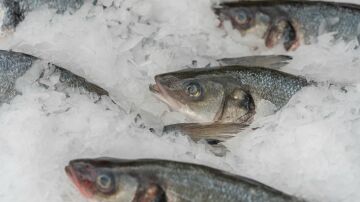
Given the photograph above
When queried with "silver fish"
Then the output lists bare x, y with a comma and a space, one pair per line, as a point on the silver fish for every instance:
225, 95
293, 22
150, 180
14, 65
16, 10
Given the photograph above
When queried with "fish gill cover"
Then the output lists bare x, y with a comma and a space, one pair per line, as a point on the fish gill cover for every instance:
310, 148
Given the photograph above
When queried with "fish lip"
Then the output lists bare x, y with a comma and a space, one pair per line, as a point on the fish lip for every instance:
71, 173
154, 88
68, 171
162, 95
217, 8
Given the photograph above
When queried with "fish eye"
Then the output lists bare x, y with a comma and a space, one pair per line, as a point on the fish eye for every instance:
241, 17
193, 90
105, 183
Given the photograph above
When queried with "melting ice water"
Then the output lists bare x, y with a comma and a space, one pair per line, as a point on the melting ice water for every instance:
310, 148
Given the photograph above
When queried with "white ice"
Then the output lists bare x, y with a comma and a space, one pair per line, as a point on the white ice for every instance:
310, 148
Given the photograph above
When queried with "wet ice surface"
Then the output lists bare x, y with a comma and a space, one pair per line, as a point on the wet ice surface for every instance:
310, 148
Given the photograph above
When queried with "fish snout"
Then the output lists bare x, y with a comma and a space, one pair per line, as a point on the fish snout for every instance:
154, 88
217, 9
83, 176
164, 82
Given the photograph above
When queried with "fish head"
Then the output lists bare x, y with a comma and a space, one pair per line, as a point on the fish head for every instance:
244, 18
98, 180
201, 94
262, 19
197, 96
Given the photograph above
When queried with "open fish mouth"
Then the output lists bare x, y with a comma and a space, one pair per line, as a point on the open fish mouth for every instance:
71, 173
162, 95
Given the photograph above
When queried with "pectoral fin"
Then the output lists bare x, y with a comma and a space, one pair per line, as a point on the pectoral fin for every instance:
286, 30
216, 132
268, 61
150, 193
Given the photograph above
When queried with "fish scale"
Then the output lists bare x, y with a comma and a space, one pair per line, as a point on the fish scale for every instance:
294, 22
16, 10
224, 99
14, 65
173, 181
269, 84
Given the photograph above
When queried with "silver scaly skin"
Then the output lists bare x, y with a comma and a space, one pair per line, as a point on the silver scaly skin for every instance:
222, 100
294, 22
16, 10
14, 65
150, 180
261, 83
272, 85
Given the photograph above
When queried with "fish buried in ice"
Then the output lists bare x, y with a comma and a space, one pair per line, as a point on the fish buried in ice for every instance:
292, 22
16, 10
222, 99
150, 180
14, 65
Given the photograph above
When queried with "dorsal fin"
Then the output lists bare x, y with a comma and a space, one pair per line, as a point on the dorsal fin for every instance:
268, 61
208, 131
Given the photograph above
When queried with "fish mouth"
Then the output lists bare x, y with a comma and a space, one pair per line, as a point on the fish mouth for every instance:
161, 93
81, 186
154, 88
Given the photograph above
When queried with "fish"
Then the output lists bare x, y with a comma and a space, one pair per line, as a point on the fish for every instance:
292, 22
218, 98
15, 11
14, 65
156, 180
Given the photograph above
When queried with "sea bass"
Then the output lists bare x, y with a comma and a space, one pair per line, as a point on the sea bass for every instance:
222, 96
14, 65
292, 22
16, 10
150, 180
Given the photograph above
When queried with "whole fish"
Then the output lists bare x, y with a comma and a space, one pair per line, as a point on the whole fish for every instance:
16, 10
293, 22
150, 180
14, 65
218, 97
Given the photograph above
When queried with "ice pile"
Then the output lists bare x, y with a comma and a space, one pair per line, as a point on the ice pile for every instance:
310, 148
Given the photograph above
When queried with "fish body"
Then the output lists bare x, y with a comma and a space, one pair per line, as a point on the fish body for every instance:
113, 180
293, 22
222, 100
263, 83
227, 90
16, 10
14, 65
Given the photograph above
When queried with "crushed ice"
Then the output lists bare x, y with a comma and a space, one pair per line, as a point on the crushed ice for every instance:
310, 148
